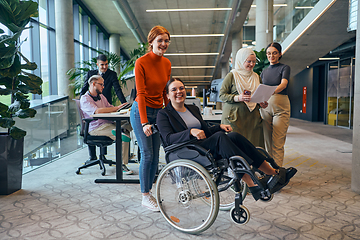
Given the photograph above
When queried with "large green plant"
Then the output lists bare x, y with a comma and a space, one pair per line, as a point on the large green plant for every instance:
261, 61
78, 73
15, 77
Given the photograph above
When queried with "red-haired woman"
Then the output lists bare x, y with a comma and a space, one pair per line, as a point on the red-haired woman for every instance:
152, 71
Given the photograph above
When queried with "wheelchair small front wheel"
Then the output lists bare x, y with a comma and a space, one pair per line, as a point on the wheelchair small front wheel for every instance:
241, 217
187, 196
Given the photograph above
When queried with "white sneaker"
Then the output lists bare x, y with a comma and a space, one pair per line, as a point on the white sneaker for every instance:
149, 202
126, 170
230, 172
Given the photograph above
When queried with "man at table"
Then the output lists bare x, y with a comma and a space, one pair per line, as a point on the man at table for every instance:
93, 102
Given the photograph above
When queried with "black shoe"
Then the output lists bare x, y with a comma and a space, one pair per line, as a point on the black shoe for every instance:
289, 173
256, 192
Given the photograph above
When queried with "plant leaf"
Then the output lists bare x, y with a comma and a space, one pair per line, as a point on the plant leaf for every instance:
6, 52
29, 66
17, 133
14, 69
32, 81
25, 113
6, 122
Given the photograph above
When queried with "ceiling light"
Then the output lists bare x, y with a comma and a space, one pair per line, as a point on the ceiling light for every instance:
304, 7
329, 58
275, 5
198, 35
192, 66
192, 76
188, 9
190, 54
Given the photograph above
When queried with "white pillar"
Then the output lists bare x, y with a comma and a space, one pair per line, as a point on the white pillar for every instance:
114, 47
355, 168
236, 44
264, 23
64, 43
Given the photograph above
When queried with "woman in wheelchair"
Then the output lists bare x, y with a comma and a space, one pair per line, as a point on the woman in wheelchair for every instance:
179, 123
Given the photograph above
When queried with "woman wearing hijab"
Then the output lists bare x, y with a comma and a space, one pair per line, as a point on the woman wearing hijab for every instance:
236, 90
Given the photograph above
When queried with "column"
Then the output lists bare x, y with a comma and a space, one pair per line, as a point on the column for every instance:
236, 43
264, 23
64, 27
355, 168
114, 47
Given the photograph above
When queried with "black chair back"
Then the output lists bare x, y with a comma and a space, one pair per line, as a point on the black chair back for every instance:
81, 116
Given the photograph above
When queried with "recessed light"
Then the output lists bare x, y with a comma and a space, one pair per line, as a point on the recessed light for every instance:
192, 66
198, 35
188, 9
190, 54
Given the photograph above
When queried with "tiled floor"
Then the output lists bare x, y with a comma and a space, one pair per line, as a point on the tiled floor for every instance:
55, 203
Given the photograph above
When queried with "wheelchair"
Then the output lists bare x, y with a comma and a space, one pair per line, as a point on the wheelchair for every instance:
193, 187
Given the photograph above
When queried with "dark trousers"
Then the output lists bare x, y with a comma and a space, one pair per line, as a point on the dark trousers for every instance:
223, 145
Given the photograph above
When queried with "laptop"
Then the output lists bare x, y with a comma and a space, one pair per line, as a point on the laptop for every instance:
130, 102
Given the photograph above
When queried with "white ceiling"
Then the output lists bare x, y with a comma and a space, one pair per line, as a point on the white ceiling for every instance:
213, 22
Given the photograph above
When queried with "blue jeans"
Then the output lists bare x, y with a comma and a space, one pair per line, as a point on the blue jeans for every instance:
149, 146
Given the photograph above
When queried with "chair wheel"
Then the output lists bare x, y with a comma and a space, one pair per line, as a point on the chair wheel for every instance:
78, 172
103, 173
242, 217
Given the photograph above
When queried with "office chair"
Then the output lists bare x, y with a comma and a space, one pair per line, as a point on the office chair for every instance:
101, 141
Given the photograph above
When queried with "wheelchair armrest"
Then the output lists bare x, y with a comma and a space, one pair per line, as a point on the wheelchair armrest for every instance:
177, 146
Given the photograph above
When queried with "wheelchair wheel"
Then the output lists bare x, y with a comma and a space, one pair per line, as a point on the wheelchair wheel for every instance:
242, 217
227, 197
181, 189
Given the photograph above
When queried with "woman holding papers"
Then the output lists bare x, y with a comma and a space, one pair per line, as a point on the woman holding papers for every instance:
236, 90
277, 115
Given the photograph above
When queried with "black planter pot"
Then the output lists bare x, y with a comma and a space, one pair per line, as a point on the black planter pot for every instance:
11, 163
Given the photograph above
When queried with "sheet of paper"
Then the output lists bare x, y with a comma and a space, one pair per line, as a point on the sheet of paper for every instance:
262, 93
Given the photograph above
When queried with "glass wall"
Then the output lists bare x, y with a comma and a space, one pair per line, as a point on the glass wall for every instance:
88, 38
340, 93
288, 15
53, 132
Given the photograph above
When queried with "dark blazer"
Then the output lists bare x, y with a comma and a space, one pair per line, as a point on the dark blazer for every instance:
174, 130
110, 80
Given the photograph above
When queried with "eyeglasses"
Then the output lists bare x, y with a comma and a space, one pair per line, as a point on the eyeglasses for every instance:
253, 62
167, 41
273, 53
101, 84
175, 89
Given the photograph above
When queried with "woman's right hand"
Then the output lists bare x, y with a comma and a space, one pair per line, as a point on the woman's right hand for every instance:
242, 98
199, 134
147, 130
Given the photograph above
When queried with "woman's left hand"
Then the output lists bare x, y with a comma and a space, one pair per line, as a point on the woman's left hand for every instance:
264, 104
226, 128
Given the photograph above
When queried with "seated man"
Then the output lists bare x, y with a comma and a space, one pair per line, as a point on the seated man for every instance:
95, 102
179, 123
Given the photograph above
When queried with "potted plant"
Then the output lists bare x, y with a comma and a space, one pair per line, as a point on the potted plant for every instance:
261, 61
77, 74
16, 82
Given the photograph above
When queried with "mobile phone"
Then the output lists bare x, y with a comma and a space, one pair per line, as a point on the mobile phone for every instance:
247, 92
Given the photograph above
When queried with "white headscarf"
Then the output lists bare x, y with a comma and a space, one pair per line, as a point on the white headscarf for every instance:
244, 79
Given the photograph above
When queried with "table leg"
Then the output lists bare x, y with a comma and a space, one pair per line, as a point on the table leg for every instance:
119, 171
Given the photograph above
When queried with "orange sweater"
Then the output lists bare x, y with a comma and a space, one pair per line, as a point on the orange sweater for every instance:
151, 75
